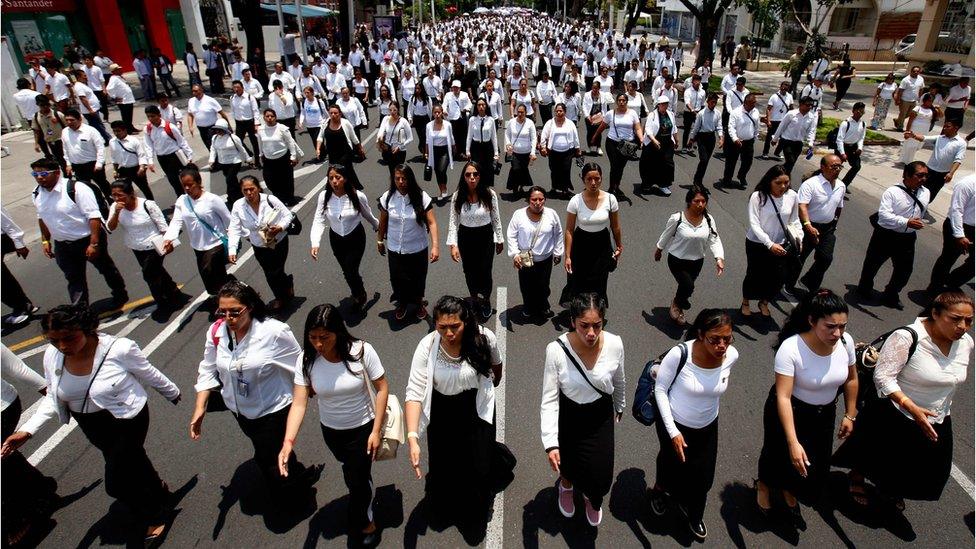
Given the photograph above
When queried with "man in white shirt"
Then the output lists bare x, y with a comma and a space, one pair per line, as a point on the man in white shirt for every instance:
166, 142
96, 81
907, 94
147, 78
694, 97
704, 131
798, 126
957, 239
203, 111
820, 69
282, 75
71, 231
895, 225
130, 159
247, 118
635, 75
26, 99
958, 100
545, 91
948, 151
121, 93
821, 200
251, 85
742, 130
192, 65
58, 88
88, 103
814, 91
850, 142
13, 294
778, 105
84, 152
214, 61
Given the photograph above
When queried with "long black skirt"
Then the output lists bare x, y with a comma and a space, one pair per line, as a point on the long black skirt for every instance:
560, 168
483, 153
459, 448
519, 176
657, 164
586, 446
814, 427
893, 453
689, 482
408, 276
765, 272
592, 258
477, 248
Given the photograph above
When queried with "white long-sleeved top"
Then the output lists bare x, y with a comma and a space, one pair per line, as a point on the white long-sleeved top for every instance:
593, 105
396, 135
265, 359
287, 80
227, 148
340, 216
695, 99
474, 215
521, 229
67, 219
686, 241
495, 108
928, 377
283, 105
454, 105
822, 199
561, 376
743, 125
310, 81
159, 142
520, 135
244, 221
11, 229
119, 386
443, 137
706, 121
83, 145
276, 141
814, 93
419, 108
244, 108
763, 226
815, 378
946, 151
253, 88
560, 138
352, 110
117, 89
897, 207
404, 235
14, 369
141, 224
850, 135
652, 125
691, 398
208, 207
129, 152
797, 126
574, 105
482, 129
313, 114
962, 206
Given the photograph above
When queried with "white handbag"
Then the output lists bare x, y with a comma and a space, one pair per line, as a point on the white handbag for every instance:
392, 435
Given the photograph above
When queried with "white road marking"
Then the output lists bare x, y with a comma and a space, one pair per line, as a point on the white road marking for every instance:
495, 536
963, 481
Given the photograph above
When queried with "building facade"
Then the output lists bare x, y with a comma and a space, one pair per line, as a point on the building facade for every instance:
945, 33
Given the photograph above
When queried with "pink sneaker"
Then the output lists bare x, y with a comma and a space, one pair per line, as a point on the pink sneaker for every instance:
593, 516
565, 500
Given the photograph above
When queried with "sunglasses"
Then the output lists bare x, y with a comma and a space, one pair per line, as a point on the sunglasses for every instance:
715, 340
471, 174
42, 173
230, 313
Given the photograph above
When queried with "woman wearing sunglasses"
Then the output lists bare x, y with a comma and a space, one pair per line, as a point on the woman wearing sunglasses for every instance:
691, 379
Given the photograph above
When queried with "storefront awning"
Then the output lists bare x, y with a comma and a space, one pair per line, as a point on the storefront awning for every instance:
307, 11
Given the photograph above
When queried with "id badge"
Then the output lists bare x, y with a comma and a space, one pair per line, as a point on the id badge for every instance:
242, 387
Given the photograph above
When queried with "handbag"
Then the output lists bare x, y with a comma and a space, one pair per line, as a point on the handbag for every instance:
792, 244
627, 149
295, 227
391, 436
509, 155
428, 173
526, 255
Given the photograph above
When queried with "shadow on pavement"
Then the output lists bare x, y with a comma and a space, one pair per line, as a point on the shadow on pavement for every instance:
541, 514
330, 521
629, 504
473, 532
660, 318
876, 515
739, 510
248, 488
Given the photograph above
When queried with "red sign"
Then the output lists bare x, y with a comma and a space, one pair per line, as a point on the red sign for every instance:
11, 6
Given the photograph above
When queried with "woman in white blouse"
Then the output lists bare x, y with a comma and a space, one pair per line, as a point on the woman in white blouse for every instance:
313, 115
559, 141
685, 237
264, 220
439, 154
903, 442
570, 97
481, 145
523, 96
919, 122
535, 244
583, 388
624, 126
519, 150
144, 223
248, 367
773, 208
691, 379
814, 364
383, 101
360, 89
393, 137
338, 369
450, 397
206, 218
474, 234
406, 220
596, 104
660, 139
352, 110
228, 155
591, 217
100, 381
882, 101
282, 102
342, 209
279, 155
408, 87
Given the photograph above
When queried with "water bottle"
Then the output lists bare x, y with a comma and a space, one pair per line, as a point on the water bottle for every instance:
809, 153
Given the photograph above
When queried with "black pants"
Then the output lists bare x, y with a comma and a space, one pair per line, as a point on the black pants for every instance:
290, 124
773, 126
685, 272
272, 261
246, 127
941, 275
618, 163
348, 251
130, 476
934, 183
104, 100
823, 256
460, 129
545, 112
854, 159
420, 130
132, 174
688, 482
477, 248
484, 154
55, 150
171, 165
560, 168
592, 140
230, 172
212, 265
206, 135
688, 119
87, 172
349, 448
791, 152
26, 495
657, 164
161, 285
125, 113
169, 84
279, 176
884, 245
742, 154
408, 276
395, 159
706, 145
534, 285
518, 175
266, 434
95, 120
725, 125
765, 272
71, 259
13, 294
441, 163
216, 80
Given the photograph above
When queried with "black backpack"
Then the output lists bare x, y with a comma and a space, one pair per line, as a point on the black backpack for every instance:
866, 355
102, 206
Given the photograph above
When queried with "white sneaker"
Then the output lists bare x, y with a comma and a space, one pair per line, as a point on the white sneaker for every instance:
599, 151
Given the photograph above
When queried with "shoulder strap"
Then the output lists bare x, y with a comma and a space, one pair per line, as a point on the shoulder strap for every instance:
910, 194
579, 368
214, 329
98, 368
208, 226
683, 347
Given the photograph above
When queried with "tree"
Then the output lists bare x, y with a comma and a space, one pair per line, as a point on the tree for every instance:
810, 24
250, 14
709, 14
634, 15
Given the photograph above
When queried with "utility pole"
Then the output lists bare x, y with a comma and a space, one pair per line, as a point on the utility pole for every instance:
301, 31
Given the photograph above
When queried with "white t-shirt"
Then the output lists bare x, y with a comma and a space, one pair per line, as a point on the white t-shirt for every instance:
821, 199
693, 399
593, 221
621, 125
815, 378
343, 401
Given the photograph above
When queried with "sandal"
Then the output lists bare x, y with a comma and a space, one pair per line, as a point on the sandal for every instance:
764, 308
858, 491
155, 534
744, 309
400, 312
675, 312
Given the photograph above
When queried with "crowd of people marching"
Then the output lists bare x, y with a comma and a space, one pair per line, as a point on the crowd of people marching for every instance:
487, 91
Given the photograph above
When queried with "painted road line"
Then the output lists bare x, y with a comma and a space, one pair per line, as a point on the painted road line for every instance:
963, 481
495, 535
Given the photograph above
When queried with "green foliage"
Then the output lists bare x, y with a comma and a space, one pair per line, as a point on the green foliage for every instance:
828, 124
766, 16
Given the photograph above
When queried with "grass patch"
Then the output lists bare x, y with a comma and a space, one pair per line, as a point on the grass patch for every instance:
715, 84
873, 79
873, 137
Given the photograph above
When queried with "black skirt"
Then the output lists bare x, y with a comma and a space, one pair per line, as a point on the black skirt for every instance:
560, 168
765, 272
408, 276
477, 248
586, 446
892, 452
519, 176
814, 427
483, 153
592, 259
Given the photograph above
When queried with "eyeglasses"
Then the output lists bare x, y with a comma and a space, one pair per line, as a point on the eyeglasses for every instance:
43, 173
471, 174
715, 340
231, 313
835, 166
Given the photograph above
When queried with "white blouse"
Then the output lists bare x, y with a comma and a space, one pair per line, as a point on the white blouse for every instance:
145, 222
228, 149
693, 398
340, 215
521, 229
520, 135
560, 138
341, 395
404, 235
887, 91
593, 221
211, 209
397, 134
245, 222
561, 376
526, 100
815, 378
686, 241
276, 141
763, 226
474, 215
482, 129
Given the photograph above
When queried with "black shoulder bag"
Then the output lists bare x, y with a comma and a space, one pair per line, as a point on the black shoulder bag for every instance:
582, 372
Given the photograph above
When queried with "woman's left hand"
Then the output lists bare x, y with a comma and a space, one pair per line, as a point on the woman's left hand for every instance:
846, 428
618, 252
719, 266
435, 254
455, 254
373, 444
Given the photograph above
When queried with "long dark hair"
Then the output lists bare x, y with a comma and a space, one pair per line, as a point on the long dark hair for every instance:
706, 321
328, 317
585, 302
765, 185
814, 306
346, 174
414, 192
70, 317
248, 296
482, 190
474, 344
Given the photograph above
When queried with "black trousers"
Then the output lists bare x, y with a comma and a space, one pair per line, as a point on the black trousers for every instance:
26, 495
104, 100
216, 80
773, 126
272, 261
408, 276
560, 168
706, 145
132, 174
742, 154
13, 294
212, 265
290, 124
545, 112
394, 159
482, 153
55, 150
279, 176
518, 174
87, 172
688, 119
791, 152
941, 275
618, 163
823, 256
688, 482
592, 140
725, 125
348, 251
95, 120
477, 248
125, 113
460, 129
171, 165
349, 448
685, 272
854, 159
160, 283
534, 285
71, 259
206, 135
420, 130
266, 434
765, 272
934, 183
884, 245
230, 172
130, 476
441, 163
246, 127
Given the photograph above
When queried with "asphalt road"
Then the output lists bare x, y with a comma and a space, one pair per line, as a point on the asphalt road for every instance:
221, 496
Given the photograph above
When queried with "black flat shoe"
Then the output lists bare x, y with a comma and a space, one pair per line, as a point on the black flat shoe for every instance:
796, 518
764, 511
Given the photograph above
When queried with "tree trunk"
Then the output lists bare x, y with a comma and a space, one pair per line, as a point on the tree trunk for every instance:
576, 8
250, 17
707, 29
633, 16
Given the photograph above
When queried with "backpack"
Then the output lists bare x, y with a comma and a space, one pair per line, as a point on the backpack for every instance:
102, 206
645, 406
866, 357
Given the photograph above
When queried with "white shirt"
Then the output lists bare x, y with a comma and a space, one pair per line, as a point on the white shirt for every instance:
958, 96
946, 151
352, 110
313, 114
204, 110
245, 222
253, 88
821, 199
474, 215
82, 90
546, 92
815, 378
67, 220
173, 115
60, 86
887, 91
897, 207
684, 240
742, 125
129, 153
560, 138
27, 103
118, 89
520, 135
796, 126
399, 134
145, 222
695, 99
455, 104
11, 229
276, 141
340, 215
264, 359
814, 93
244, 108
208, 207
707, 121
962, 207
928, 377
621, 126
763, 226
851, 132
286, 80
911, 87
561, 376
341, 395
283, 106
521, 229
191, 62
83, 145
159, 142
691, 398
14, 369
779, 104
228, 149
593, 221
403, 234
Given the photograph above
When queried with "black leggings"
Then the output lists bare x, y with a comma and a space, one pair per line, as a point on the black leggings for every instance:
266, 434
348, 251
617, 164
349, 448
685, 272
